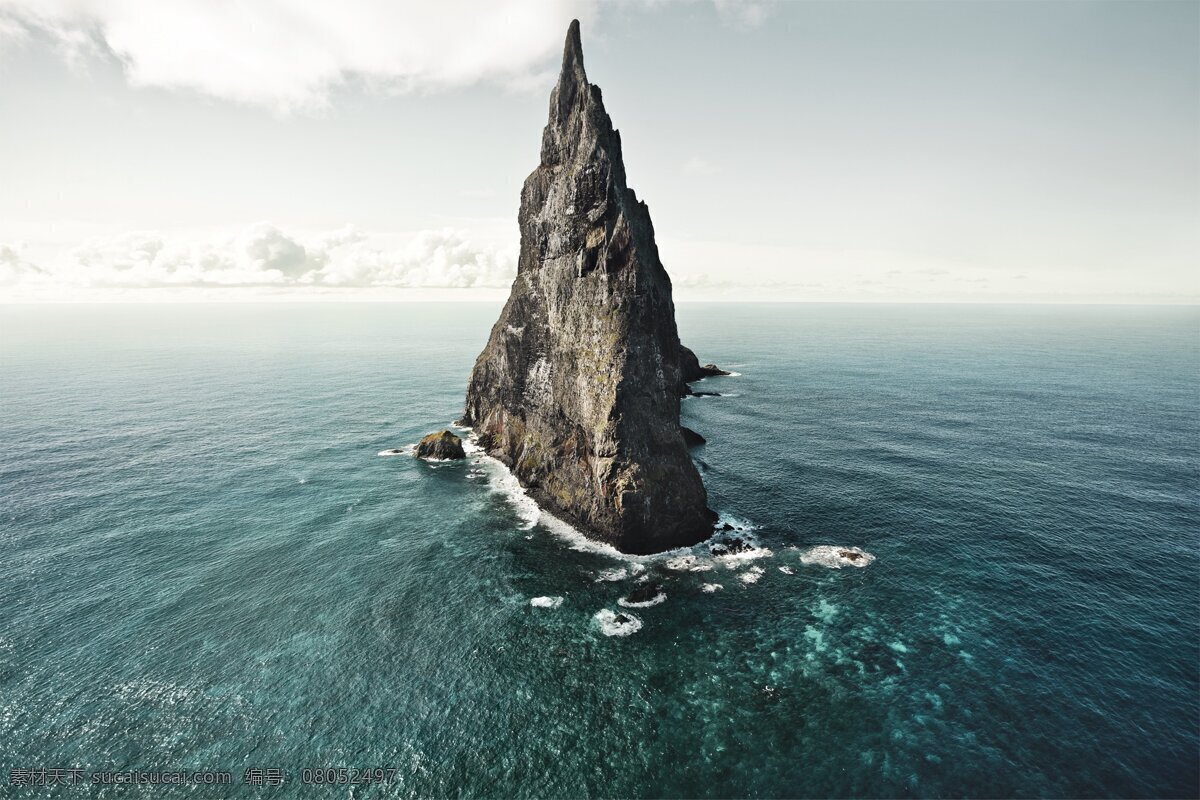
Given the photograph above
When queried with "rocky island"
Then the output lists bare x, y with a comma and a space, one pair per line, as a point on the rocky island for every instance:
442, 445
578, 388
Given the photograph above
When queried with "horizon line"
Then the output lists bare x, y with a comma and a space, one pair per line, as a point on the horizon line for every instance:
1193, 303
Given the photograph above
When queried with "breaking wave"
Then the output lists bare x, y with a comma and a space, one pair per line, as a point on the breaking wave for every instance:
661, 597
502, 481
613, 624
686, 563
751, 575
835, 557
735, 542
611, 575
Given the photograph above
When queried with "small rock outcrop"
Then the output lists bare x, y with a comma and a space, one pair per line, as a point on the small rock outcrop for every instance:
646, 593
443, 444
578, 388
690, 370
730, 546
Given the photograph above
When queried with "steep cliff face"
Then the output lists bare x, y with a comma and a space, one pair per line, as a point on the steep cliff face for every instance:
578, 387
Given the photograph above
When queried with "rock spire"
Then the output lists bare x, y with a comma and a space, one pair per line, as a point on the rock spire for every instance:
578, 388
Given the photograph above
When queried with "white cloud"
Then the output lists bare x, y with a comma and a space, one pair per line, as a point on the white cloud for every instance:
264, 261
11, 29
13, 268
431, 259
741, 271
288, 54
743, 13
263, 255
699, 167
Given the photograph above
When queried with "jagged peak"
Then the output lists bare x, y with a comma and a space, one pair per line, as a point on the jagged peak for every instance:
576, 109
572, 80
572, 63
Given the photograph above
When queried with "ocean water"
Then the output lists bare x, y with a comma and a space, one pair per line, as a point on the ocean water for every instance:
205, 565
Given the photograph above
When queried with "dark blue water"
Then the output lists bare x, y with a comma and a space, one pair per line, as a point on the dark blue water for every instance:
205, 565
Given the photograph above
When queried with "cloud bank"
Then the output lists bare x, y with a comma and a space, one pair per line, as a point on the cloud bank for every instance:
262, 255
263, 261
289, 54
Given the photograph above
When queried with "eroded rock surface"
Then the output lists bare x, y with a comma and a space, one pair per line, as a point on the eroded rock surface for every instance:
691, 370
443, 445
578, 388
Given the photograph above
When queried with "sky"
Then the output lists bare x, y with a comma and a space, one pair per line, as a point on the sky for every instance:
860, 151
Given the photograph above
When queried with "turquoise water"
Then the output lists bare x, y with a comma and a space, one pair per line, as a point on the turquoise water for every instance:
205, 565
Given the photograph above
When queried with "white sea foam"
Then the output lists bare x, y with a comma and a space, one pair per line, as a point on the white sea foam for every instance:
577, 541
736, 560
397, 451
711, 587
503, 481
611, 575
661, 597
613, 624
744, 533
686, 563
546, 602
751, 575
739, 524
835, 557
